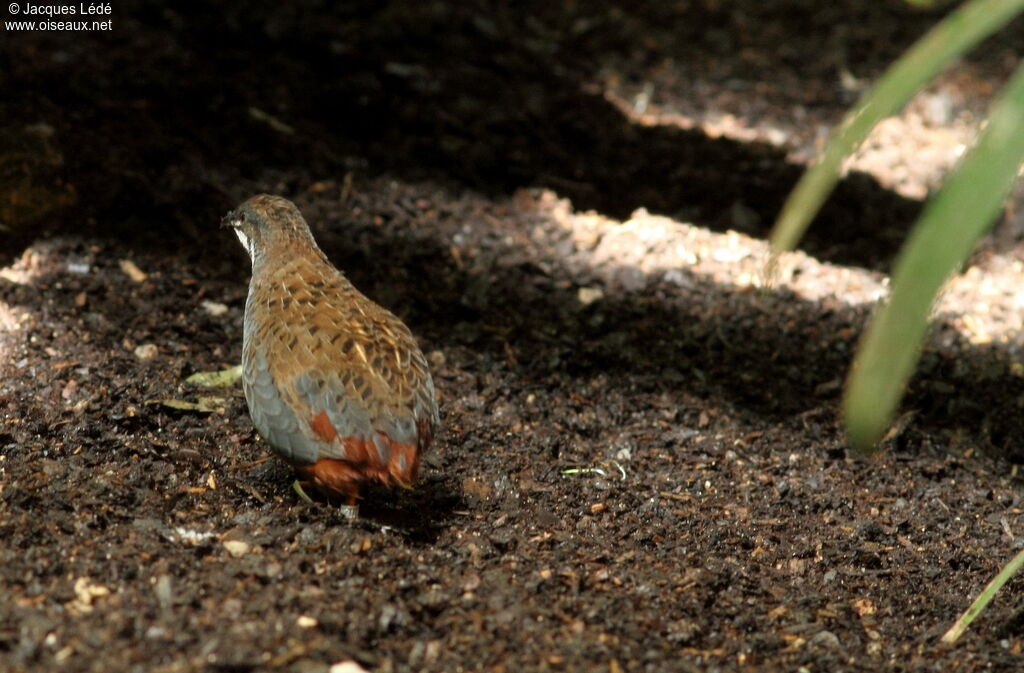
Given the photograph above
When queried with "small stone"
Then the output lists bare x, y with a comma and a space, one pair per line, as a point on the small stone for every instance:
588, 295
632, 278
85, 594
156, 633
164, 591
826, 640
471, 583
237, 548
69, 390
214, 308
938, 109
132, 271
146, 351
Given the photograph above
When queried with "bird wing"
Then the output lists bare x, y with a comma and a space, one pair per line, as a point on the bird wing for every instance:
336, 376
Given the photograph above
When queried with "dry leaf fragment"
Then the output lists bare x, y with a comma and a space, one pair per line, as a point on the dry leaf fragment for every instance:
224, 377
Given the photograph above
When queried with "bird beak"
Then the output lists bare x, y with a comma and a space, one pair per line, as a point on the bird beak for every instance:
231, 221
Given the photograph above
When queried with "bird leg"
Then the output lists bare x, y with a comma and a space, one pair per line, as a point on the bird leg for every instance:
350, 510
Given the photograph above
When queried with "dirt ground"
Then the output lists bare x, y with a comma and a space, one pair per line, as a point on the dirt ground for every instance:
641, 466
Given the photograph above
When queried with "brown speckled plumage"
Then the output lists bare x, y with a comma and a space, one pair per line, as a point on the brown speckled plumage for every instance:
335, 383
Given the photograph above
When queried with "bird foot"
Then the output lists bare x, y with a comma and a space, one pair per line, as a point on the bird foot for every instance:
350, 511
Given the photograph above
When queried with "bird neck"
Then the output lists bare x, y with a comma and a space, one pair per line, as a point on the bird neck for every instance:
281, 254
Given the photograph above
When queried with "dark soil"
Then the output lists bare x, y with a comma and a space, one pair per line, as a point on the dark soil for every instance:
641, 466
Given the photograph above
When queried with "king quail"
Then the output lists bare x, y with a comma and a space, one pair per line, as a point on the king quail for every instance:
334, 382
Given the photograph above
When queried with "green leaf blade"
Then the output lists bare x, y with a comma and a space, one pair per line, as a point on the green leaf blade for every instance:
940, 242
948, 40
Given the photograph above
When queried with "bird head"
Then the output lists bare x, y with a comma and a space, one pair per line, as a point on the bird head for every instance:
267, 224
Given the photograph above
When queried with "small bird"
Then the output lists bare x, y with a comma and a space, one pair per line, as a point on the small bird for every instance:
334, 382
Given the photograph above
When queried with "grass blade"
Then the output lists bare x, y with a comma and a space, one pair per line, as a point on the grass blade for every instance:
983, 599
949, 39
940, 241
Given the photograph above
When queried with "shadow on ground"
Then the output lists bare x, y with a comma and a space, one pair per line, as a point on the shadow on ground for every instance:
478, 96
773, 354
